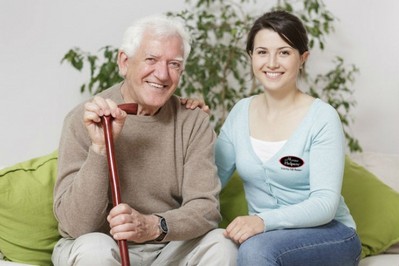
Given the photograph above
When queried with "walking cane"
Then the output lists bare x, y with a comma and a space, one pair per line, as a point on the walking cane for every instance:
129, 108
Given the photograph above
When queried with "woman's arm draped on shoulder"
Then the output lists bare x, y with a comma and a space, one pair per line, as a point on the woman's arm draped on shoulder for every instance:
225, 146
224, 153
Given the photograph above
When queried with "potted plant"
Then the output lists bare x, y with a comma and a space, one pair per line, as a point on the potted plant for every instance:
218, 69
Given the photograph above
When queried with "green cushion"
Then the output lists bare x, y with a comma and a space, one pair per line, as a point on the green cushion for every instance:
28, 229
374, 206
232, 201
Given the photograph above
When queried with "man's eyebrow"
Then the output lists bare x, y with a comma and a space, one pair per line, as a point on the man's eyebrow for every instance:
180, 58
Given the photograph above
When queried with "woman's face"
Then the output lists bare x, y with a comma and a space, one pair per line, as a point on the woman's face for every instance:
274, 62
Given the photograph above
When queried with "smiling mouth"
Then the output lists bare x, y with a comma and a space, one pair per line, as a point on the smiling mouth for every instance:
156, 85
273, 74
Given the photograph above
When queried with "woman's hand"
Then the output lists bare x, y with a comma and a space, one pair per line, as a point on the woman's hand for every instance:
93, 112
194, 103
243, 227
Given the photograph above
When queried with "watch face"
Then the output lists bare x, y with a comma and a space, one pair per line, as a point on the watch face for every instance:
164, 226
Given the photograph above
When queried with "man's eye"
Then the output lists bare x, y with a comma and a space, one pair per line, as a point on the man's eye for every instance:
174, 65
150, 60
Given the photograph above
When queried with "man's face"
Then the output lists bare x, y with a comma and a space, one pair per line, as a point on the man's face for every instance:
152, 73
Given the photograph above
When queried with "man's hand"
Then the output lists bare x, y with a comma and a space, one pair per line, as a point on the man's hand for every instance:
93, 112
194, 103
243, 227
128, 224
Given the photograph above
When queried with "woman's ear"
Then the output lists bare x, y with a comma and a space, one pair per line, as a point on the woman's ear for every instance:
123, 63
304, 57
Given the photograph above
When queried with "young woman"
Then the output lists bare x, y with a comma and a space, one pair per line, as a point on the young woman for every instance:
288, 148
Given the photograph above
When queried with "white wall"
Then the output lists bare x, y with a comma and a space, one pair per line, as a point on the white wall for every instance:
37, 92
366, 35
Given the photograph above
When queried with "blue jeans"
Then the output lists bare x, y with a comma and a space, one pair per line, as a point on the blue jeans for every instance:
326, 245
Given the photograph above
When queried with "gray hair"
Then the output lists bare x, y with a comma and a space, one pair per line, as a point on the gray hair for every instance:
158, 25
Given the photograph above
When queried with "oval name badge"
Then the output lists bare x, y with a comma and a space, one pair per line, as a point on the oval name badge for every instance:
291, 161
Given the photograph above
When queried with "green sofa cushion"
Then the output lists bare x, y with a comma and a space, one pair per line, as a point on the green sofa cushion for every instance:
232, 201
373, 205
28, 229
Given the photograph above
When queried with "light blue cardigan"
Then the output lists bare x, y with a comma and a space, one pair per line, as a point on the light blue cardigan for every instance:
300, 186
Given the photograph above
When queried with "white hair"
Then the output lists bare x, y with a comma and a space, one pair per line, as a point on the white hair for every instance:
159, 25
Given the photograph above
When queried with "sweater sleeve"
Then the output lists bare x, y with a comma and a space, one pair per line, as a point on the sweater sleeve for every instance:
199, 210
80, 193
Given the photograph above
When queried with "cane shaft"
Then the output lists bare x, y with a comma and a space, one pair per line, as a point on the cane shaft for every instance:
113, 171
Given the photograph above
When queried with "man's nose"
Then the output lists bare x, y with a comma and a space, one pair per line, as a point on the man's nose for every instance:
161, 71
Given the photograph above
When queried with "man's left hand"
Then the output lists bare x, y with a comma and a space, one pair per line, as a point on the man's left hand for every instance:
128, 224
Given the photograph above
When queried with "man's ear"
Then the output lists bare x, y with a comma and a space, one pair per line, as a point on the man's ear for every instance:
122, 63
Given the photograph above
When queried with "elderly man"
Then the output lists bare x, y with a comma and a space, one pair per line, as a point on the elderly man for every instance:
165, 156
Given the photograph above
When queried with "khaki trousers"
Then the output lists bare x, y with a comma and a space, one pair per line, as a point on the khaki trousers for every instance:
100, 249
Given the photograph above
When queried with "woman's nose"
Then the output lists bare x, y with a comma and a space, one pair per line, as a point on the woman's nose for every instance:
272, 62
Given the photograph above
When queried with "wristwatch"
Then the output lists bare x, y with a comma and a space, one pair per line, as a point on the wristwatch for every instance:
163, 227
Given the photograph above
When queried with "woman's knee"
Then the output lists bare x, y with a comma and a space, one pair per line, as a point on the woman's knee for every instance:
257, 251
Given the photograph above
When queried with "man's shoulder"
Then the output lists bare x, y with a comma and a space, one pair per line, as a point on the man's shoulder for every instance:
111, 93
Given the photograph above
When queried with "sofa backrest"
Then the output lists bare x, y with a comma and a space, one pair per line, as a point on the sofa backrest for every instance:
384, 166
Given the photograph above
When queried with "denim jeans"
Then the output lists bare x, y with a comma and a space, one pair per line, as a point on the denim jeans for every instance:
326, 245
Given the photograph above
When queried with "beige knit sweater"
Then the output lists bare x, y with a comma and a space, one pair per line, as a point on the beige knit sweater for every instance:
165, 164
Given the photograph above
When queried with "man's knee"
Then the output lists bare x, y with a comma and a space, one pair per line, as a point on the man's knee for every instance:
221, 246
87, 249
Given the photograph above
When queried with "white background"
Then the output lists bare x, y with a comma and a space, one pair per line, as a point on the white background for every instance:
37, 91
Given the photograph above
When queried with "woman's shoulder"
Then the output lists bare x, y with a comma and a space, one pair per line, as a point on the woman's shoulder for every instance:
323, 107
323, 113
242, 104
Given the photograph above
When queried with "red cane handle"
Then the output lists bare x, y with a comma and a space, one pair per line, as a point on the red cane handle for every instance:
130, 108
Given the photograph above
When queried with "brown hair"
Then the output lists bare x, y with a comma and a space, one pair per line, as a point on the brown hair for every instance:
288, 26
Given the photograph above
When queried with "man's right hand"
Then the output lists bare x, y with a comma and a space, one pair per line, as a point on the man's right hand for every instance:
93, 112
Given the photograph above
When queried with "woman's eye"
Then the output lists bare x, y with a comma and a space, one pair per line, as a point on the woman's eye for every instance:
285, 52
261, 52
